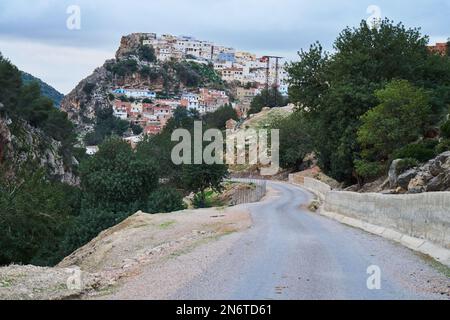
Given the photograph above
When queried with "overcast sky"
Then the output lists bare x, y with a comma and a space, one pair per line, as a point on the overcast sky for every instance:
35, 37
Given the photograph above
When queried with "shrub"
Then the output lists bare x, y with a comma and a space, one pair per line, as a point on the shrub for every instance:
88, 225
445, 130
34, 216
165, 200
406, 164
147, 53
443, 146
88, 88
369, 170
422, 152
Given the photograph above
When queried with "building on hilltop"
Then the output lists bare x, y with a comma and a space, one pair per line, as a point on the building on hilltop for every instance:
439, 48
135, 93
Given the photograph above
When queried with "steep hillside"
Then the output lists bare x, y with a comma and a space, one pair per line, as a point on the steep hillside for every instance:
134, 66
33, 134
258, 121
46, 90
25, 147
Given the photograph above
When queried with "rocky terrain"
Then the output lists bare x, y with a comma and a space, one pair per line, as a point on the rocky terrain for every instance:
92, 92
432, 176
22, 144
129, 69
121, 251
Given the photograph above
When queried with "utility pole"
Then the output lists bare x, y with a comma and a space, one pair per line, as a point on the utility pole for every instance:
275, 85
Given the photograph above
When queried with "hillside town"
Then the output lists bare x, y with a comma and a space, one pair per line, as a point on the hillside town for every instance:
153, 114
249, 74
231, 64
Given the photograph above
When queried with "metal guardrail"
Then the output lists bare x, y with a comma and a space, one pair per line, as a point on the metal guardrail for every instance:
254, 194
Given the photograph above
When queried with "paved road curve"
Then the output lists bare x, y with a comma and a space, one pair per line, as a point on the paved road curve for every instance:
291, 253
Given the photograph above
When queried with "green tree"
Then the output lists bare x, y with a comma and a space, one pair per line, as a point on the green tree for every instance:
34, 216
147, 53
335, 90
445, 130
117, 175
399, 119
106, 125
116, 182
10, 83
218, 118
200, 177
137, 129
164, 200
295, 142
267, 98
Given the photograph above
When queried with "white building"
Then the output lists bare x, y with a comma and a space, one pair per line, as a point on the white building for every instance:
189, 100
135, 93
136, 107
120, 113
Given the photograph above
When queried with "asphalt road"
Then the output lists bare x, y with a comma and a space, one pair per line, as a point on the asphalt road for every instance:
291, 253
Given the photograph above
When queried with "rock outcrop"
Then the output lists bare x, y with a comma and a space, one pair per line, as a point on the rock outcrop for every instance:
130, 44
22, 144
127, 70
432, 176
91, 93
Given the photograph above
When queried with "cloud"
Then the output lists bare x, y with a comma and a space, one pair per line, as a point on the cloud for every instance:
60, 66
262, 26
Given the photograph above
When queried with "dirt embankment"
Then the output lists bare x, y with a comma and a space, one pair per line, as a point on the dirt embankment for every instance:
122, 251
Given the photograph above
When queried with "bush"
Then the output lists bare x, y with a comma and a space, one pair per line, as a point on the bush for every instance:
443, 146
123, 67
445, 130
422, 152
147, 53
406, 164
87, 226
34, 216
88, 88
369, 170
219, 118
165, 200
115, 175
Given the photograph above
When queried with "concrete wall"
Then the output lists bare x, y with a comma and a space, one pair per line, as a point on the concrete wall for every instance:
424, 216
319, 187
418, 221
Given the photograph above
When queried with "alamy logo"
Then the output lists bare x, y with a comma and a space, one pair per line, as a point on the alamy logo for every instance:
74, 281
249, 146
374, 280
375, 16
73, 22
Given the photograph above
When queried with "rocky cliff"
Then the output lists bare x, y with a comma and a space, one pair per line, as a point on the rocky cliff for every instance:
432, 176
22, 145
92, 92
131, 68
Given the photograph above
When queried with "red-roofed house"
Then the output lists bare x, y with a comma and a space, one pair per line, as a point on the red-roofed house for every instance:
439, 48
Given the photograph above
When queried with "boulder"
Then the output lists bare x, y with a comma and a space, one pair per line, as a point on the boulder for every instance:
393, 183
439, 183
404, 179
433, 176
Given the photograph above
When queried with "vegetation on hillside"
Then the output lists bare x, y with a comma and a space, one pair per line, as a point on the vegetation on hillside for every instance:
267, 98
46, 90
218, 118
106, 125
24, 101
42, 221
380, 89
173, 75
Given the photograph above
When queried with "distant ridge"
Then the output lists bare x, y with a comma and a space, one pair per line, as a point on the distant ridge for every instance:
46, 89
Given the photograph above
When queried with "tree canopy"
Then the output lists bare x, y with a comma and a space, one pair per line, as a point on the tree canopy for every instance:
333, 90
